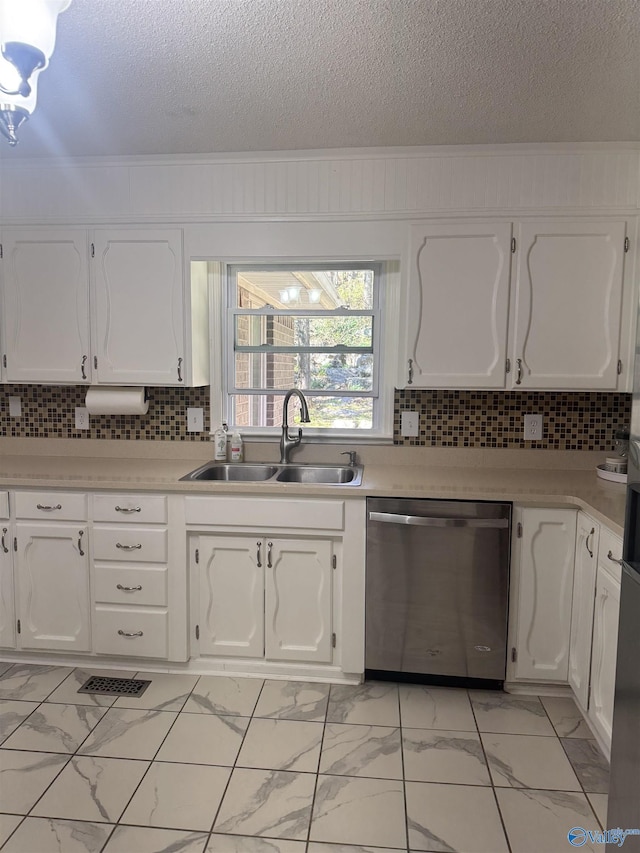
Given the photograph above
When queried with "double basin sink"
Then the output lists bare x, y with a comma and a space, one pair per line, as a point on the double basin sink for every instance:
251, 472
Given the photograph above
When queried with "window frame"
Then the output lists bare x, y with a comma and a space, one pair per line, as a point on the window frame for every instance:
380, 429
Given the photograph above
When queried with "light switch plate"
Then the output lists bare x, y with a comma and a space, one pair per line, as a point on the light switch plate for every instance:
533, 427
195, 420
15, 407
82, 417
410, 424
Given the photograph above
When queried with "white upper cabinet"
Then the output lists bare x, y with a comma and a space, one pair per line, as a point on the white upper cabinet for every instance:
567, 299
458, 305
552, 318
46, 306
138, 307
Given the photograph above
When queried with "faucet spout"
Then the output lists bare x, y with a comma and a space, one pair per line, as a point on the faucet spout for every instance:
288, 442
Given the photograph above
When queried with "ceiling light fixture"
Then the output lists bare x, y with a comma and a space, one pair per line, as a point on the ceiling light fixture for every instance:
27, 40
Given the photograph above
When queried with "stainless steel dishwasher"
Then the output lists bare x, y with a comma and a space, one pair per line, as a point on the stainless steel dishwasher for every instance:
437, 590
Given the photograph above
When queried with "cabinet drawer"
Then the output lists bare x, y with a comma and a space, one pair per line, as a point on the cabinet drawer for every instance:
266, 512
117, 585
131, 544
4, 504
148, 630
59, 506
150, 509
610, 544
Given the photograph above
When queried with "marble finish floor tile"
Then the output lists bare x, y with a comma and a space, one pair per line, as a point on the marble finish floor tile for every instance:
166, 692
8, 823
178, 796
31, 682
320, 847
282, 745
4, 666
599, 803
293, 700
357, 811
566, 717
55, 728
12, 714
374, 703
248, 844
24, 776
270, 803
589, 764
44, 835
134, 839
509, 714
424, 707
529, 761
351, 750
219, 694
67, 692
439, 756
204, 739
92, 789
453, 817
540, 820
123, 733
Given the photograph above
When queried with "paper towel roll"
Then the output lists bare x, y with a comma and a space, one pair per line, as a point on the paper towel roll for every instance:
117, 401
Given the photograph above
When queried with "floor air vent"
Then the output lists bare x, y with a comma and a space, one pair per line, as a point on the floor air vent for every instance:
114, 686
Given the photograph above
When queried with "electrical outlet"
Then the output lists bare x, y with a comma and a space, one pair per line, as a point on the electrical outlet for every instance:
533, 427
195, 420
409, 424
82, 417
15, 407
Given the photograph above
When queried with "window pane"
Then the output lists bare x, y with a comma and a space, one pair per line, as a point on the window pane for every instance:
307, 371
293, 331
265, 410
308, 289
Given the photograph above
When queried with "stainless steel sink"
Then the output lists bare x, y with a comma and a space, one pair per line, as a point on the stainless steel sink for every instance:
243, 472
335, 475
236, 472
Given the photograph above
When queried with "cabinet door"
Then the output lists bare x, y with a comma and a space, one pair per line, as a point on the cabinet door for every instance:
53, 586
543, 563
231, 580
567, 304
138, 305
458, 305
46, 302
603, 659
7, 610
584, 587
298, 600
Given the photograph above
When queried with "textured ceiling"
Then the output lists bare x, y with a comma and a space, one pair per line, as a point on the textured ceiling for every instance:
205, 76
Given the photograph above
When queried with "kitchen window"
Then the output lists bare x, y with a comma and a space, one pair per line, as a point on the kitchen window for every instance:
316, 327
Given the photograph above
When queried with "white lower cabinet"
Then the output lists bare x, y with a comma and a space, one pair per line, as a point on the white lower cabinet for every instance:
541, 592
265, 597
52, 569
605, 637
584, 585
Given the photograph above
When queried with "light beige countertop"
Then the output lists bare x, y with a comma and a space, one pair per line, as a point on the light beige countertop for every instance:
543, 486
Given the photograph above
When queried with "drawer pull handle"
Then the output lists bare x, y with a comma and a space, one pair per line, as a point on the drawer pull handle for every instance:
130, 633
128, 509
4, 546
129, 588
613, 559
128, 547
46, 508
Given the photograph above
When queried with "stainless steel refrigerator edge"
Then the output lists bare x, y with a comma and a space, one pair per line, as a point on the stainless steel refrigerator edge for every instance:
624, 790
437, 589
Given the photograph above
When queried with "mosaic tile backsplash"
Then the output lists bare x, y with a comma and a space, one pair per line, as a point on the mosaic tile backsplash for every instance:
572, 421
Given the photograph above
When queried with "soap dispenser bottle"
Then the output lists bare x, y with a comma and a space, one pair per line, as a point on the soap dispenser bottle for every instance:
220, 444
236, 447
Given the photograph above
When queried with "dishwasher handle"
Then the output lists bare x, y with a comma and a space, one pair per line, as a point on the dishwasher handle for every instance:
429, 521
